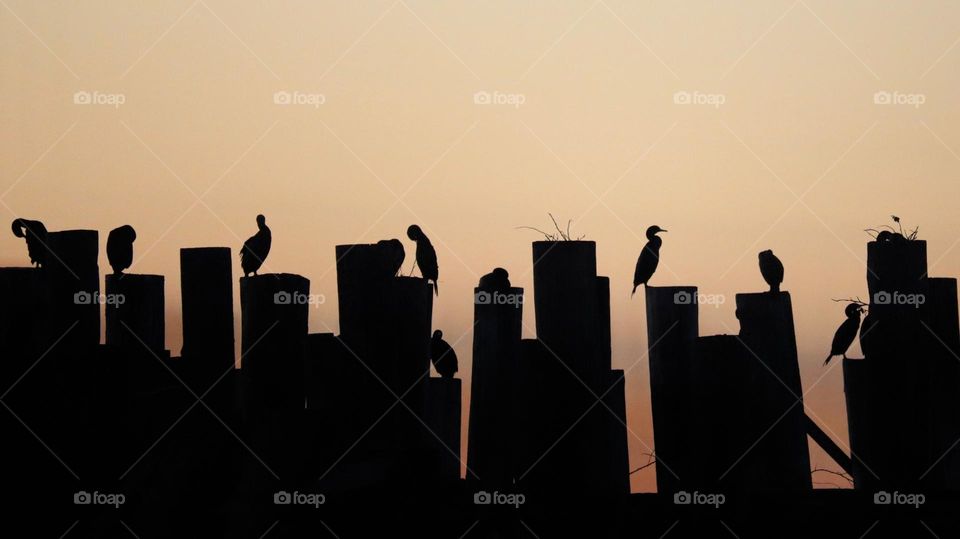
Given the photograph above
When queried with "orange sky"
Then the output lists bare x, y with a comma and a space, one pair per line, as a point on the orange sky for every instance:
782, 145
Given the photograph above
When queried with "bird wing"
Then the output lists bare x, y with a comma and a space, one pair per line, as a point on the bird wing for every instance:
427, 260
646, 265
844, 336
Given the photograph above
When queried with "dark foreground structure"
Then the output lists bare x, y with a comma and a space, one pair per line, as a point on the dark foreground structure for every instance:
349, 435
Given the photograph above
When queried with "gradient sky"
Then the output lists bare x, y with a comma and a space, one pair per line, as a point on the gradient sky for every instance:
798, 158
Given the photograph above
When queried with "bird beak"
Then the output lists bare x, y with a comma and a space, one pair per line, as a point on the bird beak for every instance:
663, 230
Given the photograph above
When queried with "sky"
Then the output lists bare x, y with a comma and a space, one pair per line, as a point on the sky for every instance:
738, 126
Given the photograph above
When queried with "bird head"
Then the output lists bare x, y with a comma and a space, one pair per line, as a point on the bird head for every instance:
652, 231
261, 221
762, 254
414, 232
128, 233
500, 273
853, 310
17, 227
437, 334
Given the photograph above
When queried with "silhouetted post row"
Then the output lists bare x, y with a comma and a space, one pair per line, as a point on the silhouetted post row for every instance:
727, 409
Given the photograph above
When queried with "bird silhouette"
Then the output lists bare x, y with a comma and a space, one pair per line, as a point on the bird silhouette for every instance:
442, 355
771, 268
391, 254
256, 248
426, 256
892, 237
36, 237
497, 280
648, 259
847, 331
120, 248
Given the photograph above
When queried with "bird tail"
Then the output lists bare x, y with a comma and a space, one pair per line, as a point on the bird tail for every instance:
436, 289
634, 290
828, 359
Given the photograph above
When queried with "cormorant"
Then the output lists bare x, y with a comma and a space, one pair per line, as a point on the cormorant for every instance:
442, 355
845, 334
648, 259
36, 236
497, 280
256, 248
120, 248
391, 253
886, 235
771, 268
426, 256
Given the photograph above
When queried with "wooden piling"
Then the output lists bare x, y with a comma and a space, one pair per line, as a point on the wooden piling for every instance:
274, 309
134, 308
566, 300
672, 330
442, 417
491, 453
206, 292
767, 332
73, 275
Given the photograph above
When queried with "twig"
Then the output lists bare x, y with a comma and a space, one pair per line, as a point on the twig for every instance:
836, 473
651, 460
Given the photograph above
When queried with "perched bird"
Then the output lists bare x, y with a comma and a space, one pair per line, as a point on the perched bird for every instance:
256, 248
772, 269
442, 355
648, 259
36, 236
120, 248
426, 256
887, 236
847, 331
497, 280
391, 254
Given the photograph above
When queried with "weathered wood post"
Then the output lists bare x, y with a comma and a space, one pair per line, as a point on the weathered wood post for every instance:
886, 392
206, 292
492, 449
565, 293
941, 324
73, 275
767, 332
134, 307
442, 416
274, 309
672, 331
385, 325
